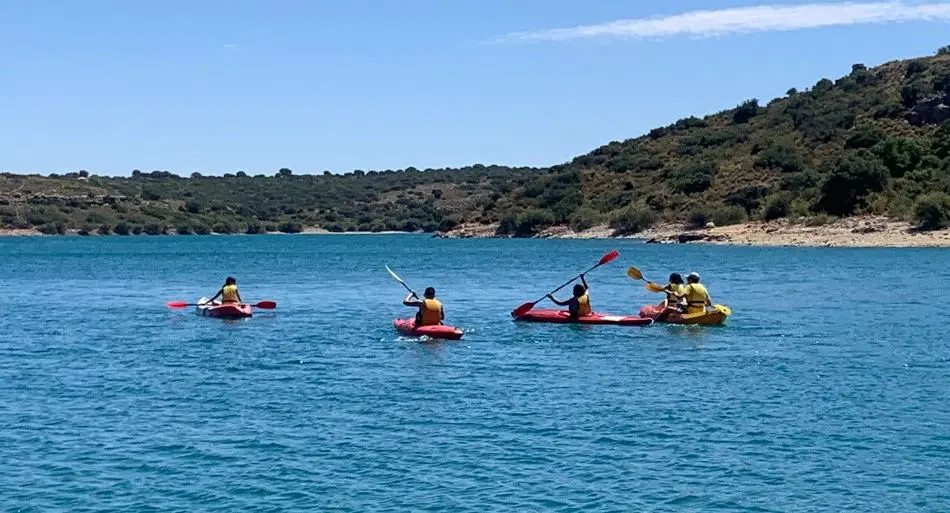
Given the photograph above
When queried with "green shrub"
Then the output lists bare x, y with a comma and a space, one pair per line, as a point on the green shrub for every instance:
155, 229
201, 229
137, 229
726, 215
777, 206
585, 218
290, 227
104, 229
693, 178
745, 111
853, 178
697, 219
780, 157
183, 229
633, 219
900, 156
122, 228
819, 220
932, 211
222, 227
532, 221
254, 228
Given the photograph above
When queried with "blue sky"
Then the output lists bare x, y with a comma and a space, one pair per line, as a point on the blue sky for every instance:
225, 85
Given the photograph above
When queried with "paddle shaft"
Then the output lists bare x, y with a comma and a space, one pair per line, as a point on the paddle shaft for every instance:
572, 280
396, 276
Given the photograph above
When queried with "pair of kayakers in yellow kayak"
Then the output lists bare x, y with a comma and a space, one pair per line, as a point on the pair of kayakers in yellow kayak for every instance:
689, 298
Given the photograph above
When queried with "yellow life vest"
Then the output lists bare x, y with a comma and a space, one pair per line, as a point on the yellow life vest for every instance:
431, 312
696, 297
583, 305
229, 294
671, 298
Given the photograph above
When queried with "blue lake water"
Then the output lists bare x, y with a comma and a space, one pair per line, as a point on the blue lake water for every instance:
827, 391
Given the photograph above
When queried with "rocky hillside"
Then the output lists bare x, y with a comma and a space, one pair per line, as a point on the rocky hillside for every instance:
874, 141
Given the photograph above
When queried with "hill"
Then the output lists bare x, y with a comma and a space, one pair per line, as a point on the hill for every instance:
875, 141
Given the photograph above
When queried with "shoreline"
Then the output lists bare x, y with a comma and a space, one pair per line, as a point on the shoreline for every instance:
852, 232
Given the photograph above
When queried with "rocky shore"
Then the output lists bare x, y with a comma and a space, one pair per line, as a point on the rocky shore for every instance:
861, 231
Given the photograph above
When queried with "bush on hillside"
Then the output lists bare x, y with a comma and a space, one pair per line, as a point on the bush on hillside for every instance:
726, 215
693, 178
900, 156
777, 206
585, 218
697, 219
122, 228
782, 157
633, 219
932, 211
745, 111
864, 138
853, 178
748, 197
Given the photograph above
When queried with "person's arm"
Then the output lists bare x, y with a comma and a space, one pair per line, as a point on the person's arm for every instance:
584, 282
238, 292
409, 302
559, 303
216, 296
442, 313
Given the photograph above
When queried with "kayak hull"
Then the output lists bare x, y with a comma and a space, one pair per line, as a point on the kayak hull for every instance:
709, 318
439, 331
223, 311
563, 317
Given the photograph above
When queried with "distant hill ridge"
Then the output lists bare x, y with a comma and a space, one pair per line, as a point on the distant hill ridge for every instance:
874, 141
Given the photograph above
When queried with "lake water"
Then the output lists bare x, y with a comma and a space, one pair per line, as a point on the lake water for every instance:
827, 391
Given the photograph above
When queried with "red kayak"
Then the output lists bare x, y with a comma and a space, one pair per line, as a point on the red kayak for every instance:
563, 317
440, 331
223, 311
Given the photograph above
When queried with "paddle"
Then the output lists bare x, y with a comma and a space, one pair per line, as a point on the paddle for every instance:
396, 276
635, 273
263, 305
606, 259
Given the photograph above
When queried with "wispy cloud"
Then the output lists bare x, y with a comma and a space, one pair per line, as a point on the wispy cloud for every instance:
763, 18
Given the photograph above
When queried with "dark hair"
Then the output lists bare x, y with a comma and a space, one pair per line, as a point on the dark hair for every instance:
579, 290
675, 278
230, 281
692, 279
429, 293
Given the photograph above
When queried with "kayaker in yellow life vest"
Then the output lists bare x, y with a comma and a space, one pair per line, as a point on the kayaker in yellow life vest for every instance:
228, 293
579, 305
697, 297
430, 308
673, 288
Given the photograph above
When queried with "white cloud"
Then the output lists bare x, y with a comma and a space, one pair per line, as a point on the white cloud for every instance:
762, 18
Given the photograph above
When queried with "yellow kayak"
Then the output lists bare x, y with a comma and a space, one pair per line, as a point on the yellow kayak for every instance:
715, 316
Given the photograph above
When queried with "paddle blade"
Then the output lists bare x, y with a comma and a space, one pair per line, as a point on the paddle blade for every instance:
176, 304
521, 310
724, 309
635, 273
653, 287
266, 305
394, 275
609, 257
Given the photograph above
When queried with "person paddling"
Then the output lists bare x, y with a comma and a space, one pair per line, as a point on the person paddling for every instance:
431, 312
579, 305
697, 297
674, 302
228, 293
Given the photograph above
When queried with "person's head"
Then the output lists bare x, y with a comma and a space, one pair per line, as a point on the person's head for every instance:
429, 293
676, 279
579, 290
230, 281
693, 278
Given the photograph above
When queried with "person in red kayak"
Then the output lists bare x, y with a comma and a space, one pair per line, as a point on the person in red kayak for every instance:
430, 308
579, 305
228, 293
